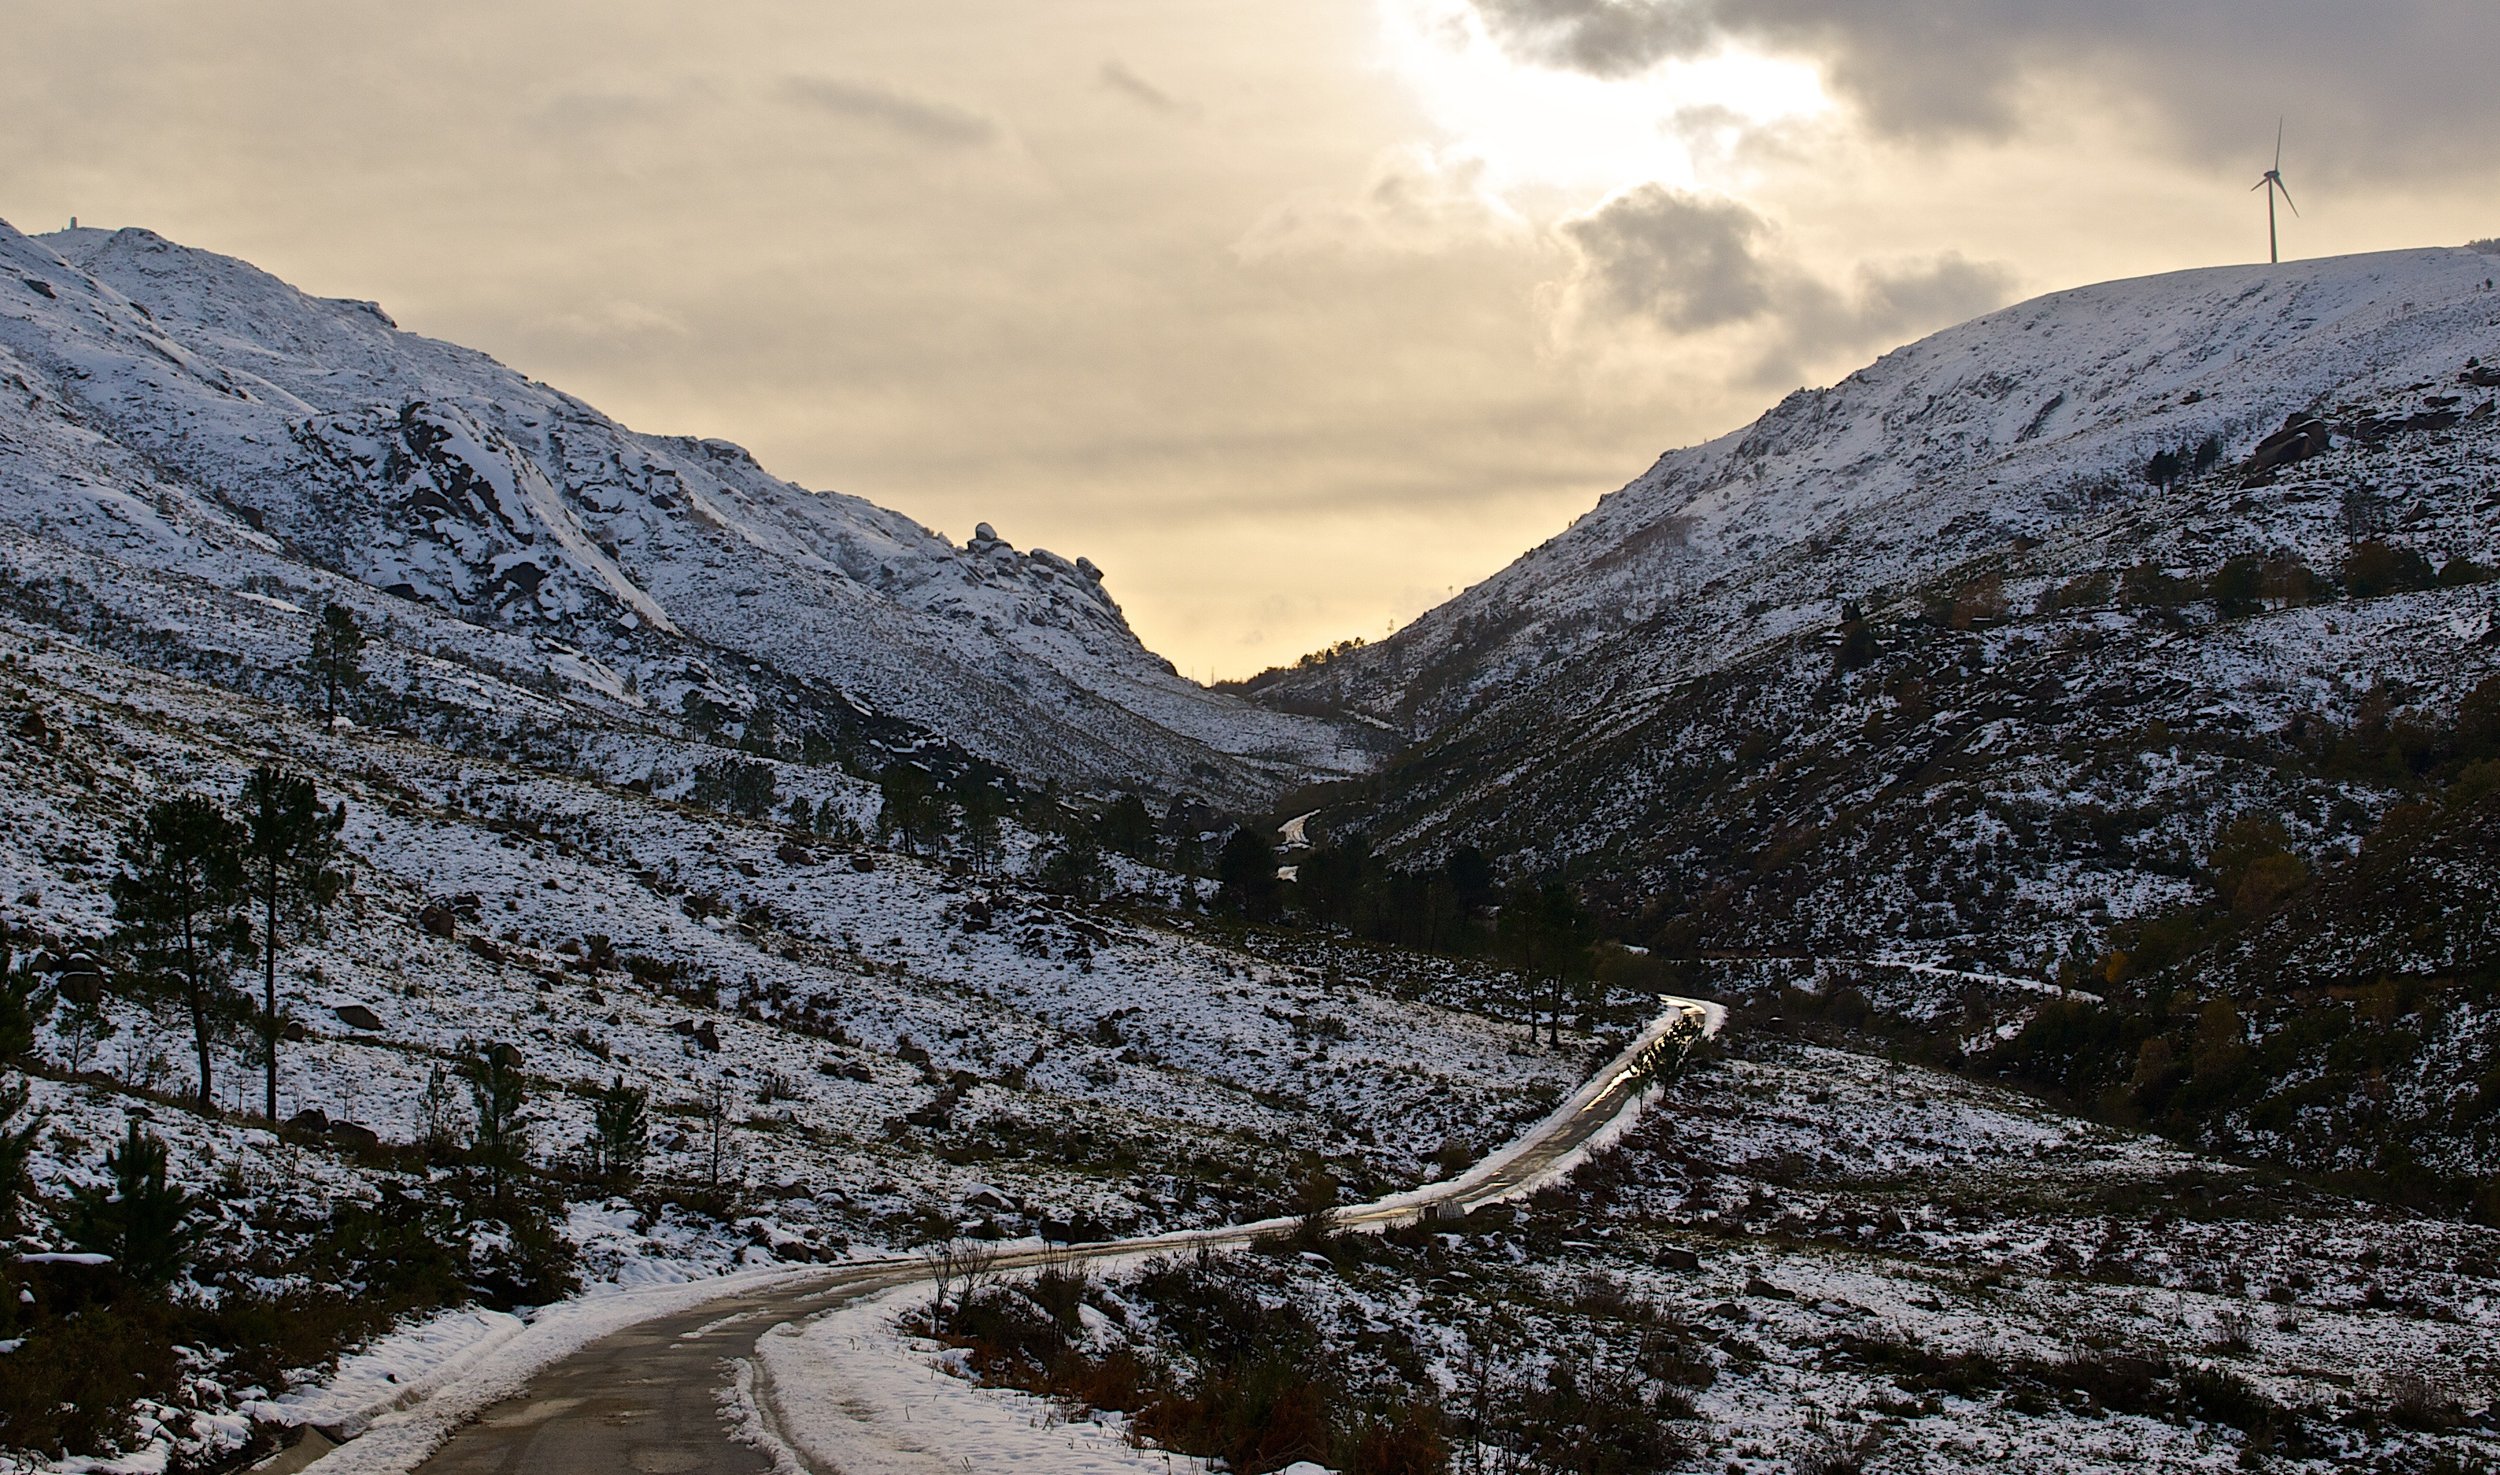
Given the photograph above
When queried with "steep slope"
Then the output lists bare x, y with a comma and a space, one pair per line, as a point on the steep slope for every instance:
179, 411
2010, 426
2065, 679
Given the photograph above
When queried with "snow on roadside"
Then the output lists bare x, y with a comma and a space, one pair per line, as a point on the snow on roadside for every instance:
441, 1382
847, 1390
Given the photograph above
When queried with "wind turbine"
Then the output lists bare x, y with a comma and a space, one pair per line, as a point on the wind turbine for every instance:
2272, 183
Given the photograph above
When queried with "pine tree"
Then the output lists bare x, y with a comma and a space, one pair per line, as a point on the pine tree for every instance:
338, 656
983, 809
1857, 641
143, 1221
24, 1001
739, 786
1245, 874
620, 1132
500, 1141
913, 811
1128, 829
1546, 935
17, 1145
179, 900
290, 851
1072, 865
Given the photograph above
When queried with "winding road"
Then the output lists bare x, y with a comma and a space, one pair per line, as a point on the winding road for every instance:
650, 1399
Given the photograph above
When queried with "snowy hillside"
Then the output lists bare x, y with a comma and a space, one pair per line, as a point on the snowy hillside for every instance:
2064, 678
2006, 428
177, 411
844, 1051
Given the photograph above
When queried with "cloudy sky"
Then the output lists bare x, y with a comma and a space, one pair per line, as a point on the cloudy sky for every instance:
1293, 315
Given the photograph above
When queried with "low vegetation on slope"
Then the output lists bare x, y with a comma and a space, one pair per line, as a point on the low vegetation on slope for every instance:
1803, 1261
557, 1031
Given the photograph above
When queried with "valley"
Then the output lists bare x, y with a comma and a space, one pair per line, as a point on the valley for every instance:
745, 895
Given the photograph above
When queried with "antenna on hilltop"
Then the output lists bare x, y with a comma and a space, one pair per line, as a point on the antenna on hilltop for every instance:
2272, 183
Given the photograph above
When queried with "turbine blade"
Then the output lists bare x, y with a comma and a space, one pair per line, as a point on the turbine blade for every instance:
2278, 142
2287, 195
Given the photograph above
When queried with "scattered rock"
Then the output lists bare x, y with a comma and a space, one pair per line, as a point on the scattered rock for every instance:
863, 862
348, 1134
310, 1119
438, 921
2301, 437
791, 854
1675, 1259
359, 1018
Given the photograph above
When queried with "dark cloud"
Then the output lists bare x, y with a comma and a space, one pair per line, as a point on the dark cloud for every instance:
1685, 264
1607, 38
1116, 78
920, 119
2395, 87
1678, 260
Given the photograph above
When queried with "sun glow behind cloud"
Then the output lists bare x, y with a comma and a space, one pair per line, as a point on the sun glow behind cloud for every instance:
1564, 135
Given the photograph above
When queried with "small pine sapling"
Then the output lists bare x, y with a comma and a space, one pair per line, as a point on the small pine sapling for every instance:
499, 1141
148, 1225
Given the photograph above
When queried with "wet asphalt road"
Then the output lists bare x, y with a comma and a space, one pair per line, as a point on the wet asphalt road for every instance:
650, 1400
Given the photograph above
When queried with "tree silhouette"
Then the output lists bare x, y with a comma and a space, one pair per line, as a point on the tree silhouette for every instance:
17, 1145
178, 900
1245, 874
1546, 935
290, 855
1072, 865
914, 811
983, 809
338, 656
1128, 828
620, 1132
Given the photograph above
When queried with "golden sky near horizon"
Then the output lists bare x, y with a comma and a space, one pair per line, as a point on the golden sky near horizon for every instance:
1293, 316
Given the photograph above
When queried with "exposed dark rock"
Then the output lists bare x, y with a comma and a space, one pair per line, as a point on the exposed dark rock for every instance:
2301, 437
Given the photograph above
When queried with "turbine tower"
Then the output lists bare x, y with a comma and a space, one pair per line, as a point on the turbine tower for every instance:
2272, 183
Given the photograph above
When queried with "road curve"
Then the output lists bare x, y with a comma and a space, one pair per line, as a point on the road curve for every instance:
648, 1400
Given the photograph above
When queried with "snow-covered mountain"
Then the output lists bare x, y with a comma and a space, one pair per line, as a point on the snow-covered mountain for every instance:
2008, 427
174, 411
2066, 677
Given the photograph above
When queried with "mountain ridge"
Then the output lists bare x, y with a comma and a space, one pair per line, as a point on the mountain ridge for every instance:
268, 427
1652, 541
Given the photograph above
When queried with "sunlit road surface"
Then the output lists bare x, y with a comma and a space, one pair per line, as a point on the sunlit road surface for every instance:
649, 1400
